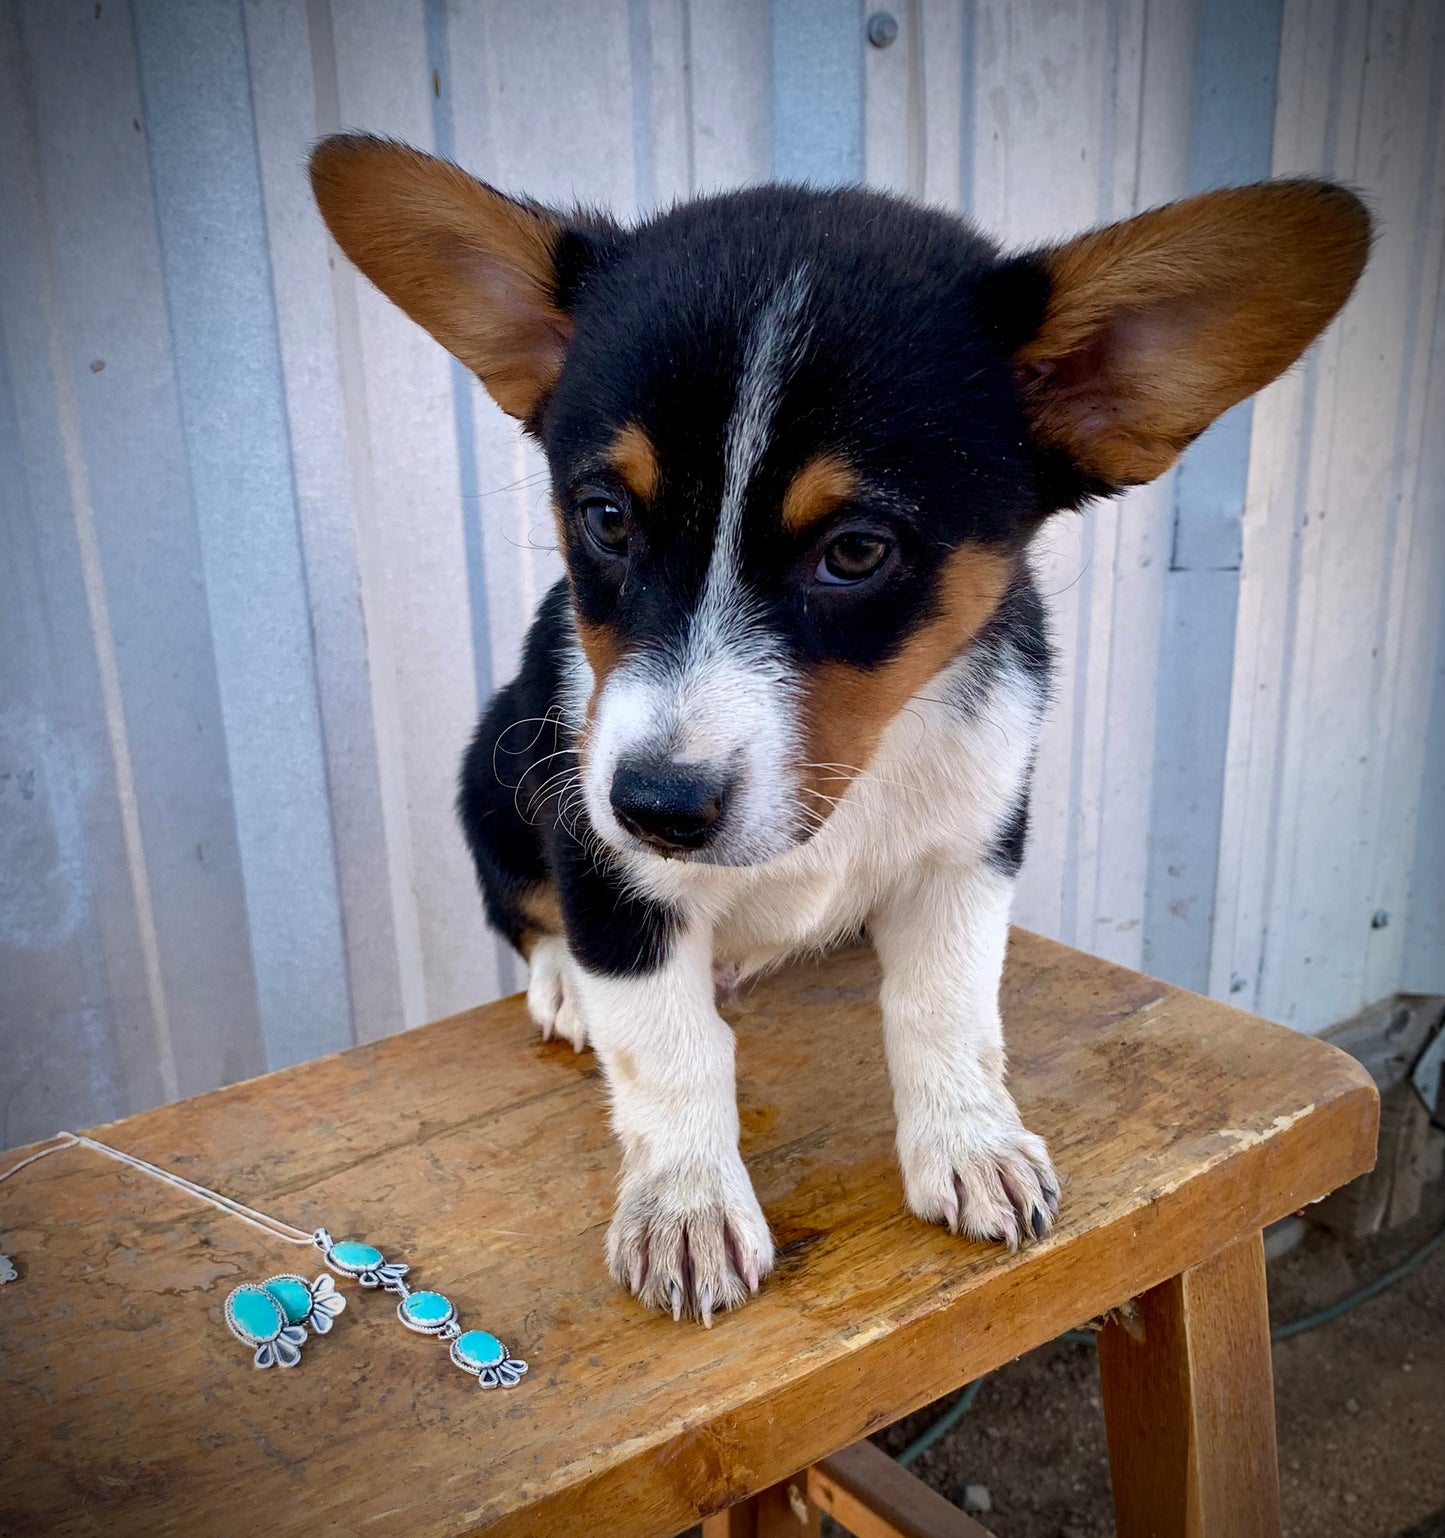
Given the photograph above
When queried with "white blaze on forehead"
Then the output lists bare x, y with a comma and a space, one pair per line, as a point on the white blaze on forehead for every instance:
729, 699
773, 350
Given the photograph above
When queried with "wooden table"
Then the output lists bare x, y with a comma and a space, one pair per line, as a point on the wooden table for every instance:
482, 1157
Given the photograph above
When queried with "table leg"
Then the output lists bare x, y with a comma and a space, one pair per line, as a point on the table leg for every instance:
782, 1511
1190, 1407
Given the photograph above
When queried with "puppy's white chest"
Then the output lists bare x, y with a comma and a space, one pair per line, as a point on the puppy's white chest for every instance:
795, 911
939, 789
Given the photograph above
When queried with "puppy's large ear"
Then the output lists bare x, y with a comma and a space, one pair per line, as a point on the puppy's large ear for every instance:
491, 278
1130, 340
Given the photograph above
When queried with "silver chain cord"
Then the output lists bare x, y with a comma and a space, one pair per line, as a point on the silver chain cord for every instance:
261, 1220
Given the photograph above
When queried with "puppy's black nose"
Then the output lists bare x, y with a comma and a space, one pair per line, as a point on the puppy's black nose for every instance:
670, 806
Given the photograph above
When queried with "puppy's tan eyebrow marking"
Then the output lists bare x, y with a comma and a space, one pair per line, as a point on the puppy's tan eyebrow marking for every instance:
633, 457
826, 481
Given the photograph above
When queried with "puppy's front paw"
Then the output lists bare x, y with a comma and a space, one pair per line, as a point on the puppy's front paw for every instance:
987, 1177
690, 1241
551, 1002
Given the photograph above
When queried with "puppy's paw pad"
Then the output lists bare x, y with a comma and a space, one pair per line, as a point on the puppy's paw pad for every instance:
691, 1245
1000, 1186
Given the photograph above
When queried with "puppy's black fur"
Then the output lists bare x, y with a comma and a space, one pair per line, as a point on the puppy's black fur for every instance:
522, 834
905, 369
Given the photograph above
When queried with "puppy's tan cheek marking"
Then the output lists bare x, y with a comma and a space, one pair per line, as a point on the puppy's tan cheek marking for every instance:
602, 650
847, 708
625, 1065
632, 455
823, 484
589, 715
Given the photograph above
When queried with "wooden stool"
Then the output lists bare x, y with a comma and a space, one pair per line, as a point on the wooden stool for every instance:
482, 1157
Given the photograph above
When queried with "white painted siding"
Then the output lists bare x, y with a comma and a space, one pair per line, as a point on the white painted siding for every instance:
264, 548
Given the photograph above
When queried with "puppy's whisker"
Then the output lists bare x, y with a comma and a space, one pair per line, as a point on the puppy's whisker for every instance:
854, 775
564, 781
529, 544
497, 491
560, 753
542, 722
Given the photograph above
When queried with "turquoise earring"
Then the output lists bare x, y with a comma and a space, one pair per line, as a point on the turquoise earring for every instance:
273, 1316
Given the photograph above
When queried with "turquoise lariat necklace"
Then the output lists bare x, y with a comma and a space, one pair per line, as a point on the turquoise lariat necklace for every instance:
274, 1316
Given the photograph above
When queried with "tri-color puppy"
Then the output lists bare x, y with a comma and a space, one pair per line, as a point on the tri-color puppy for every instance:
791, 687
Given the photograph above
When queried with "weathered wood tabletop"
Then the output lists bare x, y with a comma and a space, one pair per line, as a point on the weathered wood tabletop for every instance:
482, 1157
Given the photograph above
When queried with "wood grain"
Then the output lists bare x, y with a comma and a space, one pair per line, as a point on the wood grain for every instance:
482, 1157
1189, 1405
874, 1496
782, 1510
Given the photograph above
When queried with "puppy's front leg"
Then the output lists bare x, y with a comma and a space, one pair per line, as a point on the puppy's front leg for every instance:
688, 1234
967, 1159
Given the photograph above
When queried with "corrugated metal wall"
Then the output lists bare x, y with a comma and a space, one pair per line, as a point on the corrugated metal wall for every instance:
264, 547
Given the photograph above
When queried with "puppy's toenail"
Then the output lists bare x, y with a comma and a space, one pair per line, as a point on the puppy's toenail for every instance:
1039, 1224
674, 1292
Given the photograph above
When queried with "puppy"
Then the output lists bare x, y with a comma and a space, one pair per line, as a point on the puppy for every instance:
791, 687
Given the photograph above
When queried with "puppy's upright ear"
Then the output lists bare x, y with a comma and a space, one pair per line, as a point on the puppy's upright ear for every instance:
490, 277
1129, 341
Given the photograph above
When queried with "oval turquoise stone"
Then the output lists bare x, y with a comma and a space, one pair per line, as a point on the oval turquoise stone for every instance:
360, 1257
255, 1313
428, 1308
479, 1348
293, 1296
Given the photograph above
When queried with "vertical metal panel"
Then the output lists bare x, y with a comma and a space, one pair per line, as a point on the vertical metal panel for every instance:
1337, 641
1042, 87
288, 115
818, 91
1145, 145
1079, 115
58, 826
416, 590
730, 65
1422, 718
82, 1006
202, 149
1155, 61
113, 367
444, 137
261, 567
1237, 49
1405, 157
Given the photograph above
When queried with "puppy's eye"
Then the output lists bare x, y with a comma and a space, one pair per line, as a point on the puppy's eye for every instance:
852, 557
606, 525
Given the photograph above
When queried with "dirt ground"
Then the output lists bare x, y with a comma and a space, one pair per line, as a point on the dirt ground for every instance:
1360, 1404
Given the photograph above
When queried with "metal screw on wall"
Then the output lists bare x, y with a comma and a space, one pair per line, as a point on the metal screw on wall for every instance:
882, 28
